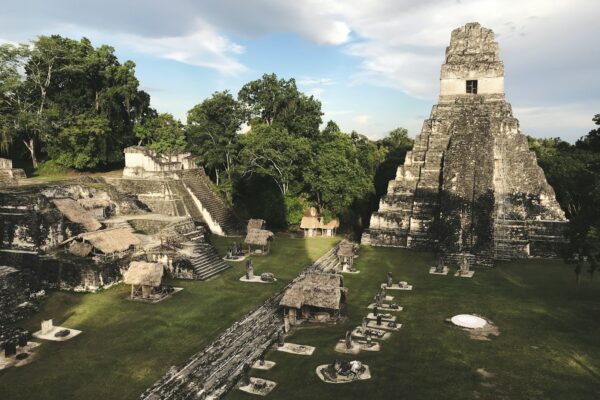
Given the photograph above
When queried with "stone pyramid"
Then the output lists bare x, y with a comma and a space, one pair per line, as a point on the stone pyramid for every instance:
470, 187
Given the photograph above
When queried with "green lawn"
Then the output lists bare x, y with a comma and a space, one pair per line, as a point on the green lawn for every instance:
126, 346
548, 348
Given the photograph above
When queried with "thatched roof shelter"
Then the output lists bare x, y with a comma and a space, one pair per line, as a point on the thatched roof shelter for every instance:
112, 240
345, 249
76, 213
80, 249
141, 273
312, 220
315, 290
258, 237
256, 224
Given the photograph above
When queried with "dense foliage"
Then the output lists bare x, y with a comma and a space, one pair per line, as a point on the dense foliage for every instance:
574, 173
69, 101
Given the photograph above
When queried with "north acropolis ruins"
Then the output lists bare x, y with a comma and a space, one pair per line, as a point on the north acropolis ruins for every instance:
470, 187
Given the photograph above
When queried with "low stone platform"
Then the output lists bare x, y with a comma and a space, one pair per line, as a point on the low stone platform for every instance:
296, 349
55, 329
468, 274
389, 298
342, 379
385, 307
258, 386
395, 286
156, 300
384, 317
381, 334
12, 361
264, 367
236, 259
255, 279
384, 326
357, 347
433, 271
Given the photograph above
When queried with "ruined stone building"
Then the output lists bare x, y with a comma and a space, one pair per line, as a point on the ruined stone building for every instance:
470, 187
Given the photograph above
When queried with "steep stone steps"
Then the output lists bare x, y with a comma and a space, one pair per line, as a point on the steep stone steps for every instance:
205, 260
198, 185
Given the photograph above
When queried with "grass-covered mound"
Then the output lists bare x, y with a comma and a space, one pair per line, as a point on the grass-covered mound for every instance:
548, 347
126, 345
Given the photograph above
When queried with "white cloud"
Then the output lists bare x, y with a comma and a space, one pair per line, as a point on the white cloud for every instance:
362, 119
574, 120
308, 81
203, 47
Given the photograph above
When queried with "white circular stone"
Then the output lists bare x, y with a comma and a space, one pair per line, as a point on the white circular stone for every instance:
468, 321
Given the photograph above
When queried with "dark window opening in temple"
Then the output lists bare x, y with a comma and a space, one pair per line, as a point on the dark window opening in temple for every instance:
472, 87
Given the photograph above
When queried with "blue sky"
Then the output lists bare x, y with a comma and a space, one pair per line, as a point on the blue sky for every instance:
373, 64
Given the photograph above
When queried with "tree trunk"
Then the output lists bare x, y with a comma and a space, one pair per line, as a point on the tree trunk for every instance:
31, 147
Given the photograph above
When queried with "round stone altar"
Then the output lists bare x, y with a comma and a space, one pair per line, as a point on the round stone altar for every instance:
468, 321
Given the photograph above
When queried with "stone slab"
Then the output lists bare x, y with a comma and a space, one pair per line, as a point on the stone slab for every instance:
385, 307
365, 375
357, 347
254, 279
50, 335
357, 332
390, 318
154, 301
296, 349
350, 272
469, 274
432, 271
389, 298
7, 362
265, 367
238, 259
384, 326
251, 388
395, 286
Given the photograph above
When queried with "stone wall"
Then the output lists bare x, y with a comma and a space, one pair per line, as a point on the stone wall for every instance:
215, 370
15, 301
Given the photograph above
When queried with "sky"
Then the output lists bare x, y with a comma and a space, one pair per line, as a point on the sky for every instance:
374, 65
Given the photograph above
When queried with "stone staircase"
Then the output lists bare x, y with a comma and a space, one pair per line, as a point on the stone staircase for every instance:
205, 260
219, 217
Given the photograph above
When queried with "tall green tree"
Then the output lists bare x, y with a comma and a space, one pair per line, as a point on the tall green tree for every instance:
272, 151
61, 81
212, 131
335, 176
162, 133
274, 101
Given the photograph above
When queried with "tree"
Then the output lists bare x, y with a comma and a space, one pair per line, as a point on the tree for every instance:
82, 142
212, 130
273, 101
54, 82
272, 151
335, 176
162, 133
592, 140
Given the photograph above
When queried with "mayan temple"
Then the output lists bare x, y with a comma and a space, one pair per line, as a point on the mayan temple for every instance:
470, 187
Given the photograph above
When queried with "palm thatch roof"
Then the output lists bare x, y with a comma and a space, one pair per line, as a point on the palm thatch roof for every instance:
80, 249
256, 224
315, 290
345, 249
93, 202
75, 213
112, 240
259, 237
144, 273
